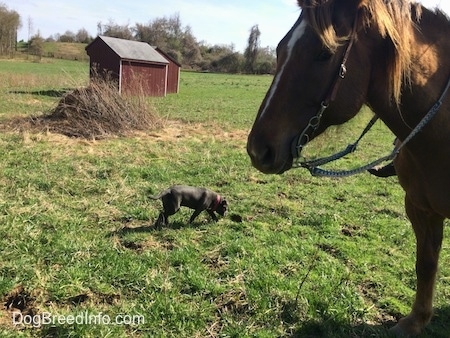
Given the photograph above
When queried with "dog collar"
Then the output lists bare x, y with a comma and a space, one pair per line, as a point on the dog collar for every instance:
216, 203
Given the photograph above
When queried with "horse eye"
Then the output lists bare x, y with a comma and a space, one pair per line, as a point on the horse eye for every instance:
324, 55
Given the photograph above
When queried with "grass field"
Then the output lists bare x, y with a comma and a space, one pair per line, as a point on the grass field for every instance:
312, 257
57, 50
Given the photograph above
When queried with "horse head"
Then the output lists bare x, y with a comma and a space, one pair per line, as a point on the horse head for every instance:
312, 61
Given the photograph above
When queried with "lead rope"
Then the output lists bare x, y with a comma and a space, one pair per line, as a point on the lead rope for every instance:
313, 168
350, 149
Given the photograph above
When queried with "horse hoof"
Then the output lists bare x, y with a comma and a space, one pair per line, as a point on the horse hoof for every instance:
405, 328
397, 331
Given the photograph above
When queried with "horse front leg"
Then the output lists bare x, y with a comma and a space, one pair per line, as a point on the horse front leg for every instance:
428, 228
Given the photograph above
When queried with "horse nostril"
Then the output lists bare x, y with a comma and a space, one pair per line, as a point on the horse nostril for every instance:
261, 155
266, 157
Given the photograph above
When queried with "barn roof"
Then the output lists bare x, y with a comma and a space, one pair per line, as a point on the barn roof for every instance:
167, 56
133, 50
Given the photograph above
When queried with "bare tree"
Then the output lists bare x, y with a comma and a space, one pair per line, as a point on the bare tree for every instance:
30, 28
190, 49
9, 24
115, 30
36, 46
169, 34
99, 28
83, 36
68, 36
143, 33
251, 52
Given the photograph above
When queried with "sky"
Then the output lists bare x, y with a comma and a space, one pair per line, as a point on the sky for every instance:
212, 21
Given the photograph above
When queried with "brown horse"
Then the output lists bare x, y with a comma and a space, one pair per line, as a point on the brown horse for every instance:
394, 57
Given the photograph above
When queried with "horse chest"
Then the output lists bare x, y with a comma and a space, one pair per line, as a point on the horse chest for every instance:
426, 184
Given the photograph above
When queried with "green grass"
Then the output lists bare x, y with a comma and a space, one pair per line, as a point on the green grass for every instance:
30, 88
56, 50
312, 257
225, 98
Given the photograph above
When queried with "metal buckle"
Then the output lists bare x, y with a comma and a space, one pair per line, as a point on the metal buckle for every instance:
342, 71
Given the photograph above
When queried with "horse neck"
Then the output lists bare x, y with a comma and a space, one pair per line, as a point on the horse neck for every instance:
429, 75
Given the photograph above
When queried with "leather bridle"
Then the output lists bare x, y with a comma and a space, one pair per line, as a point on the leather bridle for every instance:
313, 124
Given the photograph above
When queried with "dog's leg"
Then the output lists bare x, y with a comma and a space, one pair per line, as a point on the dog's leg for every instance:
162, 220
170, 206
195, 214
213, 215
165, 219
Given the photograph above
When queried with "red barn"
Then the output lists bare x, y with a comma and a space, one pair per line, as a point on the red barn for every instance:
173, 72
136, 66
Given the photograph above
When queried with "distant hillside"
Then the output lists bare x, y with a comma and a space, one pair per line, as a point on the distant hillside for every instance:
61, 50
66, 50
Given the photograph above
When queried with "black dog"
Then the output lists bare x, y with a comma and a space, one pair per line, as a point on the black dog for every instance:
195, 198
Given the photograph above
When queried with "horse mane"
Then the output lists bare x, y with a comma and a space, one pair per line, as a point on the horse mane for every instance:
393, 20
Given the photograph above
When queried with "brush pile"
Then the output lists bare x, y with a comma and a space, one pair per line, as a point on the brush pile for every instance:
99, 111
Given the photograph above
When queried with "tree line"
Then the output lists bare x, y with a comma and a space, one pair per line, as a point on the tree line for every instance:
9, 24
167, 33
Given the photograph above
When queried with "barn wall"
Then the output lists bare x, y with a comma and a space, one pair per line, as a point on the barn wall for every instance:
144, 78
173, 77
103, 60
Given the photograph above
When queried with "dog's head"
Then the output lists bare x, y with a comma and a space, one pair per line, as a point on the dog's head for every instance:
222, 207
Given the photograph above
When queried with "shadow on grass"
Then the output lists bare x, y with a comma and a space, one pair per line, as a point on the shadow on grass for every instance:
49, 92
152, 229
439, 327
56, 331
336, 329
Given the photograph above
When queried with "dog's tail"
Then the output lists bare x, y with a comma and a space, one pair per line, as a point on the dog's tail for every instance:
157, 197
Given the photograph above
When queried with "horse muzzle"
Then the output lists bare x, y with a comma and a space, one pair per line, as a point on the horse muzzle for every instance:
267, 158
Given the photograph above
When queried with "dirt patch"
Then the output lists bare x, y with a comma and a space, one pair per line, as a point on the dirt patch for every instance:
332, 251
370, 291
233, 302
351, 230
174, 130
150, 243
167, 131
96, 298
16, 304
214, 260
